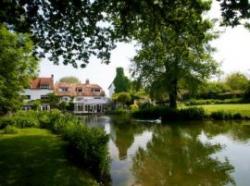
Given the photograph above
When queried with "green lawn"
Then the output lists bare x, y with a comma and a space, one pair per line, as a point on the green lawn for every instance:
37, 157
243, 109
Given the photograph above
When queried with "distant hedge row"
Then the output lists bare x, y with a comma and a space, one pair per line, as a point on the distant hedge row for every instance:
193, 113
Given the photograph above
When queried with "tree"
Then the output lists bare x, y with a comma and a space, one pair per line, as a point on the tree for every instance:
121, 82
52, 100
176, 157
75, 30
122, 97
18, 66
234, 12
247, 93
66, 28
237, 81
70, 79
175, 48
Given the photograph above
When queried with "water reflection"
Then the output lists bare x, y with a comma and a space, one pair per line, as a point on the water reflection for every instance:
177, 154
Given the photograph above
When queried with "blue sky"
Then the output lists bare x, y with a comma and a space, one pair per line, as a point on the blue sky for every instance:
233, 53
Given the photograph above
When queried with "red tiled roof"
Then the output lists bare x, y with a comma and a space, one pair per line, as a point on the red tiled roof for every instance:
87, 89
42, 81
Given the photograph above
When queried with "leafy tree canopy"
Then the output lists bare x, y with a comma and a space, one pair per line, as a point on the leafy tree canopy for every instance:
70, 79
175, 48
121, 82
122, 97
18, 66
235, 12
75, 30
237, 81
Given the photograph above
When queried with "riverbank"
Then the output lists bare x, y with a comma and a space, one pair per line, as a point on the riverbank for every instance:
201, 112
85, 147
35, 156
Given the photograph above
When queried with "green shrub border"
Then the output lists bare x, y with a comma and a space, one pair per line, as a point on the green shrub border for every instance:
86, 146
187, 114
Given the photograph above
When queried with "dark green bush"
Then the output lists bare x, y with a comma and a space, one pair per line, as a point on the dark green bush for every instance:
222, 115
48, 119
148, 113
88, 147
192, 113
184, 114
20, 119
166, 113
237, 116
213, 101
6, 120
26, 119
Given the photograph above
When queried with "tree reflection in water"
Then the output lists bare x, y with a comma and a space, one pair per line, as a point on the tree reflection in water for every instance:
176, 156
125, 131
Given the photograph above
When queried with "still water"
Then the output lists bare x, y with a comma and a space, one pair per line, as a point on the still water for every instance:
190, 154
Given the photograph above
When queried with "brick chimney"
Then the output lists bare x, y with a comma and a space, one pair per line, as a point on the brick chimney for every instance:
87, 81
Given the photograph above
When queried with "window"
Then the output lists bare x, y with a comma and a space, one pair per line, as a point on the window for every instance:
80, 108
79, 99
44, 86
44, 96
78, 89
63, 89
95, 90
65, 99
45, 107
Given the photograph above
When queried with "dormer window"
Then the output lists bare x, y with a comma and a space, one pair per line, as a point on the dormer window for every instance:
63, 89
44, 86
95, 90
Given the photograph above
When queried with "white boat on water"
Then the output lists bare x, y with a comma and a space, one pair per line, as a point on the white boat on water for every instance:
149, 120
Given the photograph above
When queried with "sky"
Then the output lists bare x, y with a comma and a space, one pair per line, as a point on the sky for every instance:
233, 54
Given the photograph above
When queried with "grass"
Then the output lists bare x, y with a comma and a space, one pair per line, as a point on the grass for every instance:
37, 157
243, 109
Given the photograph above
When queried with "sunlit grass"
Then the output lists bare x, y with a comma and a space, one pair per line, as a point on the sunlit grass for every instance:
37, 157
243, 109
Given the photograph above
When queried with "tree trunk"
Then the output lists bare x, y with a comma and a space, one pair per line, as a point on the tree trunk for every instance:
173, 95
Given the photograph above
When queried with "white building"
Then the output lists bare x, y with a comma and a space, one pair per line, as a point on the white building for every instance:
87, 98
39, 88
90, 104
111, 89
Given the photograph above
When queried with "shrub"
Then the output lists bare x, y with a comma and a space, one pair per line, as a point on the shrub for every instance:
5, 121
237, 116
184, 114
222, 115
213, 101
20, 119
48, 119
133, 107
147, 113
167, 113
192, 113
10, 130
88, 147
26, 119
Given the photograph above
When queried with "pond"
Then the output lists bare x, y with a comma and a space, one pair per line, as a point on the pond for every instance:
190, 154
